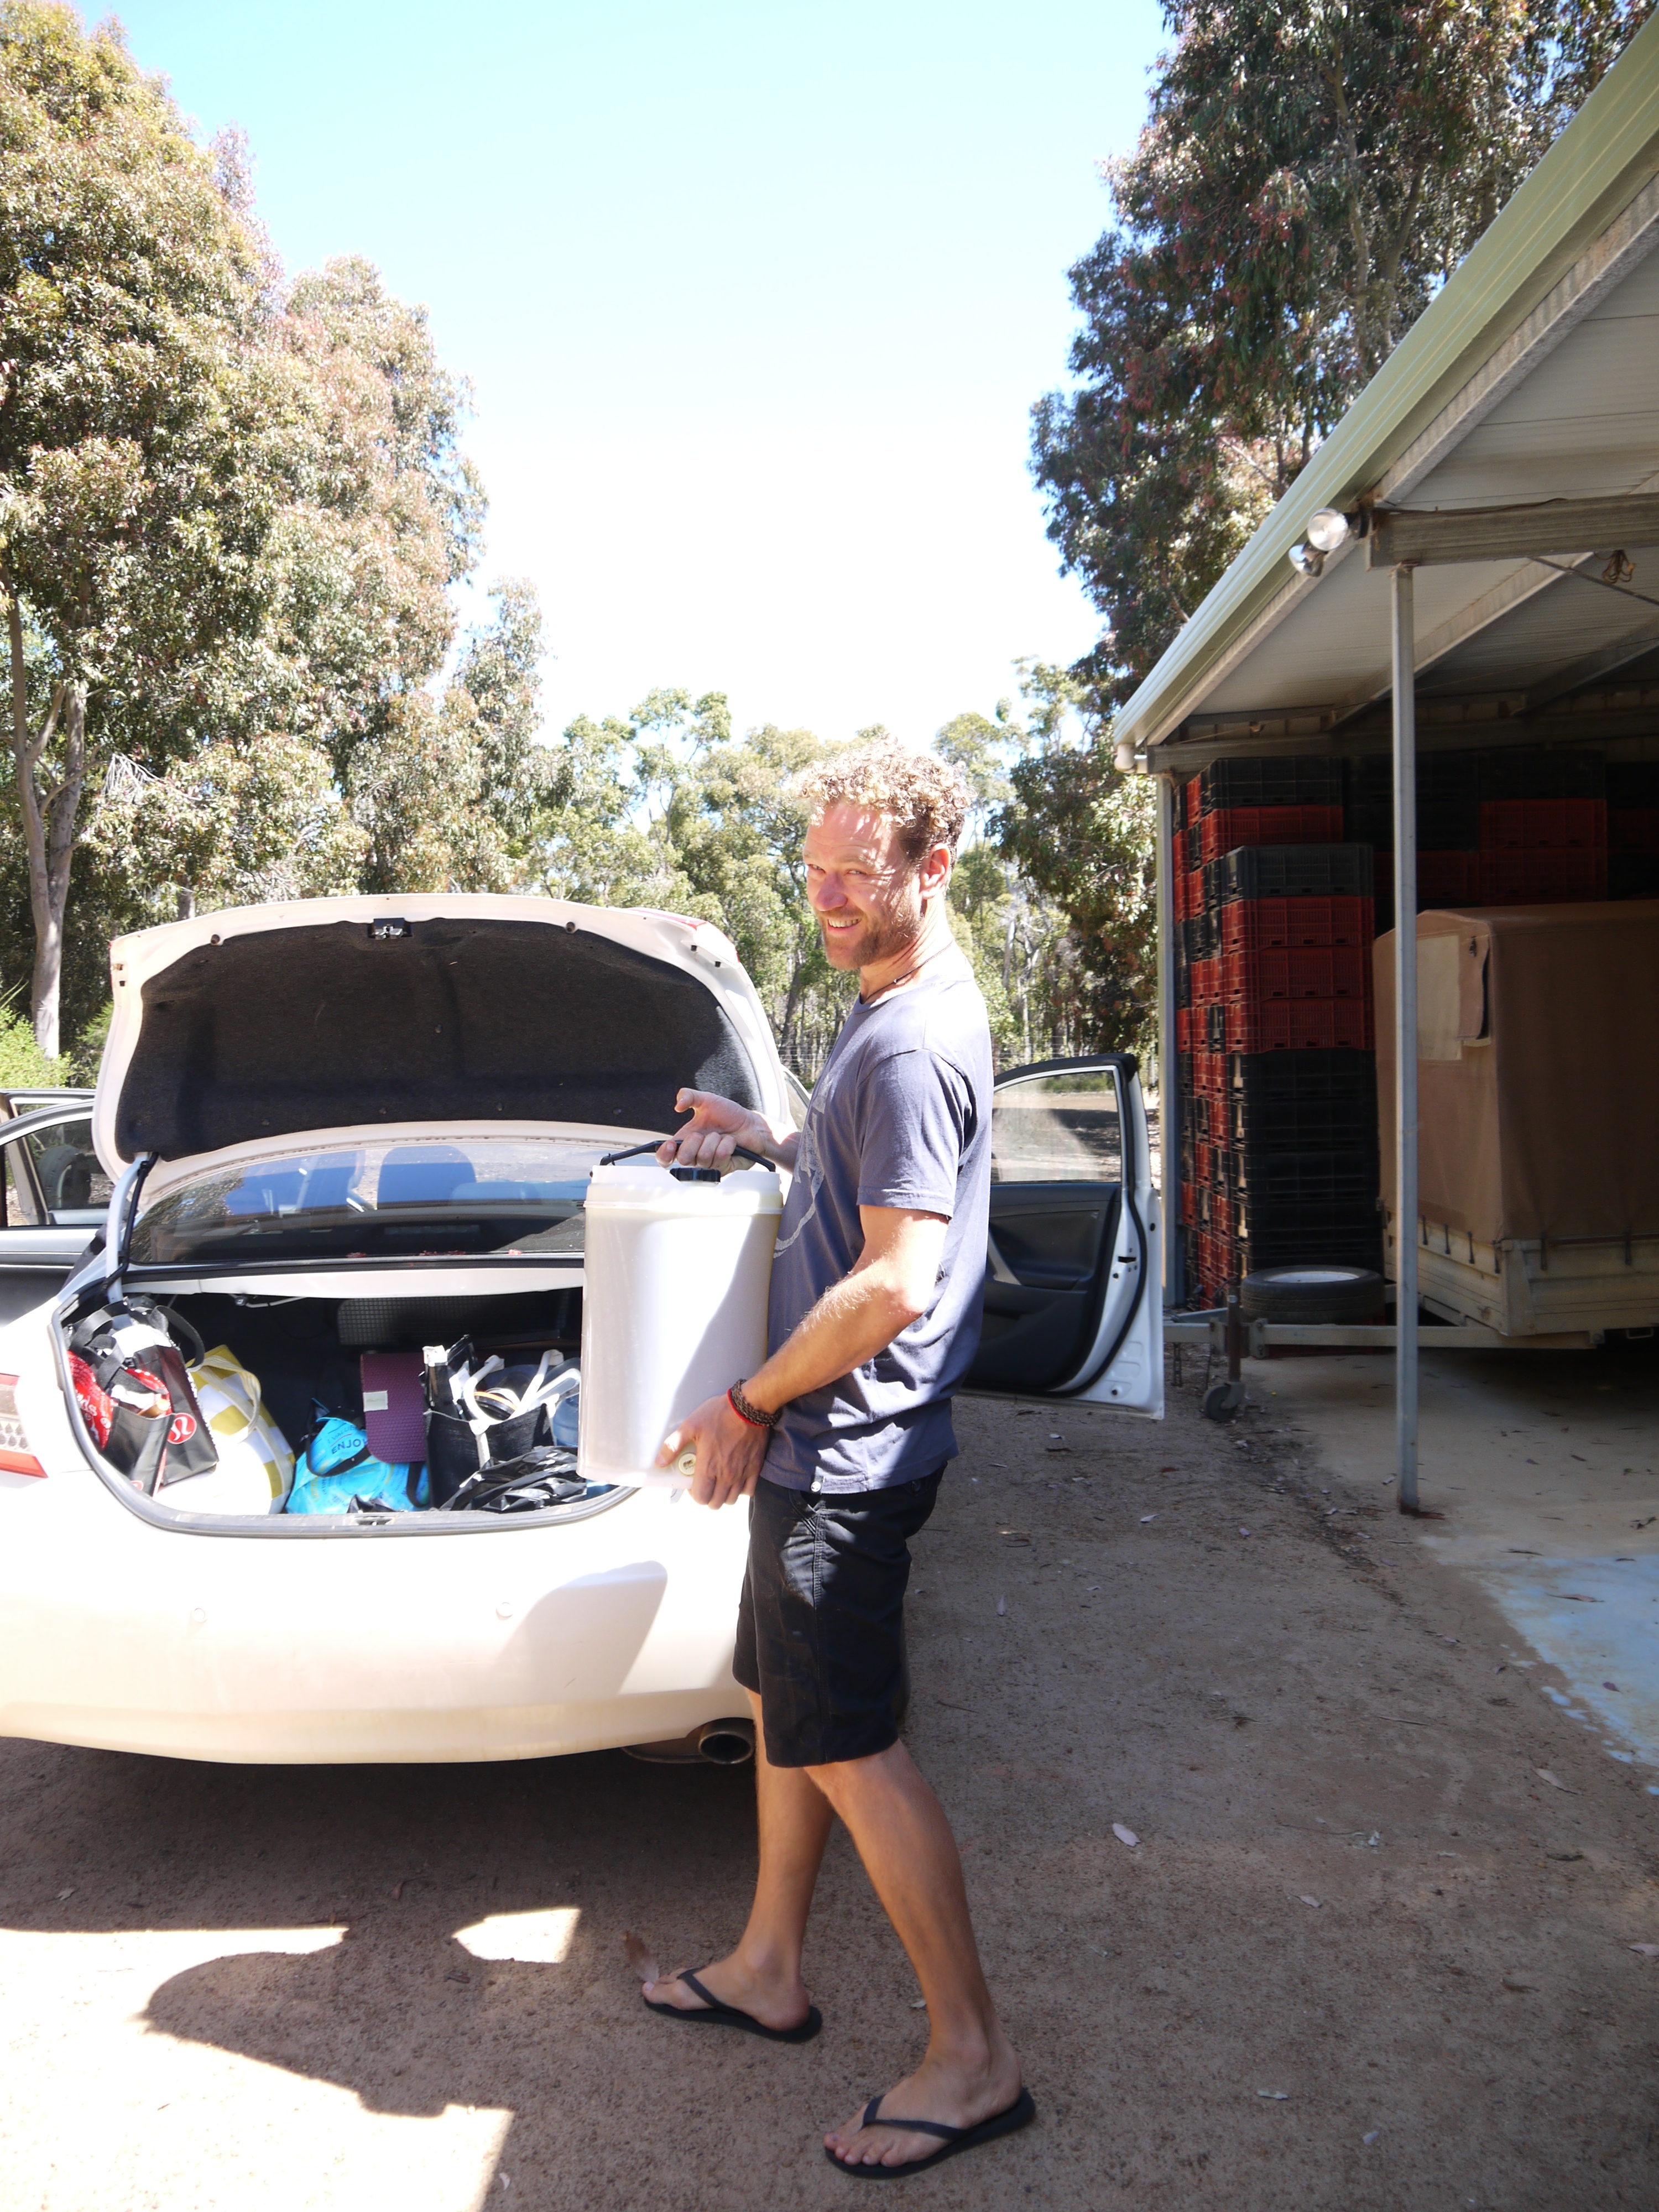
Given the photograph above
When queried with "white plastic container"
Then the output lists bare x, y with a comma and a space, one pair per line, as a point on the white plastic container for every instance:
676, 1277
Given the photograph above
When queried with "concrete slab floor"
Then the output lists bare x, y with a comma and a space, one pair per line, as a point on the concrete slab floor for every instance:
1545, 1468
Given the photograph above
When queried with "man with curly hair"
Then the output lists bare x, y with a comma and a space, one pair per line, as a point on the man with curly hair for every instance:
841, 1439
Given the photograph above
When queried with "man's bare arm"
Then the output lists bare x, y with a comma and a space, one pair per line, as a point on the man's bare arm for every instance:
890, 1285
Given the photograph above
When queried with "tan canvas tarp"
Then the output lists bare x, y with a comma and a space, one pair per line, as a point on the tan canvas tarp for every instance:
1538, 1075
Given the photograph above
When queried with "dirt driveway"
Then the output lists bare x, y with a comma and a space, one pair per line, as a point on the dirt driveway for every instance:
1372, 1947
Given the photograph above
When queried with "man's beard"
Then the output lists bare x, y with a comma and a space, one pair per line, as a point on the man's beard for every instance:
878, 939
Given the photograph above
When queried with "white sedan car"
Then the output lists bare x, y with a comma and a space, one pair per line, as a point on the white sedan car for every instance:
348, 1127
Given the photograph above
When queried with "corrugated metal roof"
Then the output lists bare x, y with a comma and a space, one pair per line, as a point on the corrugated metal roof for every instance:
1532, 373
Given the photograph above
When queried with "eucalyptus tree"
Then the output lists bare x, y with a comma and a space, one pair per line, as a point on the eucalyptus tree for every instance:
1309, 174
146, 426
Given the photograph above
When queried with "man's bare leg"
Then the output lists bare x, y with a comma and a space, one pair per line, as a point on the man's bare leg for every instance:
970, 2071
762, 1976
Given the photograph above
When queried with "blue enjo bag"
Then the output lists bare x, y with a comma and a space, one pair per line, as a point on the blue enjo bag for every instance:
336, 1473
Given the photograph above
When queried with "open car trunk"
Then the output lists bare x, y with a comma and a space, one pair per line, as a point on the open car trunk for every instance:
351, 1133
282, 1371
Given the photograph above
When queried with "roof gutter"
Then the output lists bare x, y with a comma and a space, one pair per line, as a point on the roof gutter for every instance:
1603, 158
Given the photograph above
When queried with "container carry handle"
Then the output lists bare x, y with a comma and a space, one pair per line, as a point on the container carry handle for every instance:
740, 1152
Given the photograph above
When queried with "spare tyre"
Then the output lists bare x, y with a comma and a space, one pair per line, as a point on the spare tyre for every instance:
1312, 1294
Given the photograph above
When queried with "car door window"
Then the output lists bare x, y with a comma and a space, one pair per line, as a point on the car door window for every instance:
74, 1186
1057, 1128
22, 1208
1056, 1178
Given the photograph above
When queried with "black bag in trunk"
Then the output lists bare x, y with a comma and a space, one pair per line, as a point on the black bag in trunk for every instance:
473, 1424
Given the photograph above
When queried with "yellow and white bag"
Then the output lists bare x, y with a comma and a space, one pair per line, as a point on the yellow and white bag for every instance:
256, 1468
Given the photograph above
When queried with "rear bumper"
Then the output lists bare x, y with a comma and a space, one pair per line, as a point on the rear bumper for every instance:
118, 1635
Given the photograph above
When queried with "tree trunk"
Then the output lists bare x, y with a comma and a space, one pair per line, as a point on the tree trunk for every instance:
48, 825
791, 1007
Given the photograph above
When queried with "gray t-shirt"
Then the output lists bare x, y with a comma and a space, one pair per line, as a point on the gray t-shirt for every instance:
900, 1116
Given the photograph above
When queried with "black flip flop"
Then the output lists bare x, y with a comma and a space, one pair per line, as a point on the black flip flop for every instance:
1019, 2114
725, 2015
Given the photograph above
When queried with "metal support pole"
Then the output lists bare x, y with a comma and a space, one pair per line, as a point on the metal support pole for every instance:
1405, 1041
1169, 1056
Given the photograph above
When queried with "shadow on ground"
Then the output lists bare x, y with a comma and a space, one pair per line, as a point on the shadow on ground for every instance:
1371, 1950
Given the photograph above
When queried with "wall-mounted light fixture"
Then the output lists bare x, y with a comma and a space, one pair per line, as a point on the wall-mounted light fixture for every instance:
1329, 529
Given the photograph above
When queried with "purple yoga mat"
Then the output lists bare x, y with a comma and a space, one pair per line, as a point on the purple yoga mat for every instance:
394, 1406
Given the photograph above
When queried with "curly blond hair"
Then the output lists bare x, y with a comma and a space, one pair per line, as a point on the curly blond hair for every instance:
925, 797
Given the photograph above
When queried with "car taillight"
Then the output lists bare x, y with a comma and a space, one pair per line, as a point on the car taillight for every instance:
15, 1457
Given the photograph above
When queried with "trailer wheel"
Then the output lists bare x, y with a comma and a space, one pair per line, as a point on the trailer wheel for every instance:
1311, 1294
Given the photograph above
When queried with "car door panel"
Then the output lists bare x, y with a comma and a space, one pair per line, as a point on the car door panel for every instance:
1070, 1295
53, 1198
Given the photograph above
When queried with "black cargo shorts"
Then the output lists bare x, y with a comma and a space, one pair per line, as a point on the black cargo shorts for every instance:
821, 1620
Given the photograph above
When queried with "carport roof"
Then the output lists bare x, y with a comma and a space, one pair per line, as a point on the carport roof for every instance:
1533, 373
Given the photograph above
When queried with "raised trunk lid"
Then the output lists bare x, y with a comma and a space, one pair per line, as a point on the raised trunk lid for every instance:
264, 1022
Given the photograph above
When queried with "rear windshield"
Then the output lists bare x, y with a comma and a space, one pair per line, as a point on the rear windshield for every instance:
520, 1197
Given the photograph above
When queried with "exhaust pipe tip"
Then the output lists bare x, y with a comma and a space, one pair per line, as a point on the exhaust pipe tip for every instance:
726, 1743
718, 1743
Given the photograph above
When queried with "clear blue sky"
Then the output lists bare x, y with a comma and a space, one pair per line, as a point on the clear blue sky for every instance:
755, 295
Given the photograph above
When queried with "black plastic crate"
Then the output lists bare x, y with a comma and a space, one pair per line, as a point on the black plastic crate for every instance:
1449, 795
1288, 872
1543, 772
1267, 1080
1196, 939
1446, 825
1632, 783
1256, 1217
1341, 1177
1447, 776
1271, 779
1368, 799
1183, 986
1290, 1125
1305, 1244
1632, 875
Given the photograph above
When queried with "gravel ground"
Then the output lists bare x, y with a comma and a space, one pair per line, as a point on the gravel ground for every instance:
1371, 1947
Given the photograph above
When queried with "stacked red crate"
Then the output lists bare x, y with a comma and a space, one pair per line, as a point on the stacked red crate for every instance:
1633, 830
1300, 1025
1210, 1074
1545, 852
1230, 827
1250, 924
1295, 971
1448, 878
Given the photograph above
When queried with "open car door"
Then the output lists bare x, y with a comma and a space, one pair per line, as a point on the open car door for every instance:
53, 1197
1074, 1277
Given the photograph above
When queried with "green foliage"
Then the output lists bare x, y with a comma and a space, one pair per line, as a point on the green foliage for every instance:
237, 825
666, 808
1309, 177
23, 1066
499, 673
231, 513
1050, 897
84, 1061
1055, 894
